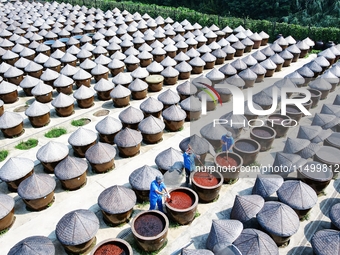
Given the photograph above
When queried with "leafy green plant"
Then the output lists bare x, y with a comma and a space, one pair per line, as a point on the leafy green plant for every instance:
142, 252
232, 181
4, 231
306, 217
26, 145
255, 163
79, 123
173, 224
197, 214
142, 204
3, 155
55, 132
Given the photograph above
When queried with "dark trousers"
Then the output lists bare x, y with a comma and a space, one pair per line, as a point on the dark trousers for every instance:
187, 175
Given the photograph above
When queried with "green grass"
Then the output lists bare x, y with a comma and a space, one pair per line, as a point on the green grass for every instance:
197, 214
173, 224
141, 252
55, 132
323, 193
232, 181
3, 155
4, 231
144, 203
315, 51
26, 145
79, 123
255, 163
306, 217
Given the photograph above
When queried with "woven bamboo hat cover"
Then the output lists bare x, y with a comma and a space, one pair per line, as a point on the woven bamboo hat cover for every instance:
309, 132
296, 78
246, 207
325, 121
109, 125
7, 87
128, 138
226, 249
215, 75
326, 242
191, 104
151, 125
297, 195
33, 245
228, 69
253, 241
174, 113
10, 119
294, 145
197, 143
266, 185
169, 97
6, 205
41, 89
83, 92
120, 92
305, 72
186, 251
100, 153
334, 215
212, 131
62, 100
169, 158
70, 167
286, 159
77, 227
223, 231
16, 168
249, 60
278, 219
117, 199
138, 85
37, 109
36, 186
82, 137
235, 119
141, 178
131, 115
310, 150
104, 85
52, 152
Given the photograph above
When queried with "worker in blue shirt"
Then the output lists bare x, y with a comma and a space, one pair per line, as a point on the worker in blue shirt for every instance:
227, 142
157, 190
189, 162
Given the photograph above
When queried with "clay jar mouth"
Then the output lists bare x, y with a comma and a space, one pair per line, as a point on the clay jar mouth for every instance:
247, 146
156, 215
184, 193
276, 119
122, 244
210, 177
267, 132
314, 93
302, 96
293, 109
237, 158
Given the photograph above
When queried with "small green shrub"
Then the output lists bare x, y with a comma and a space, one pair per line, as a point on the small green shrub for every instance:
26, 145
55, 132
79, 123
3, 155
